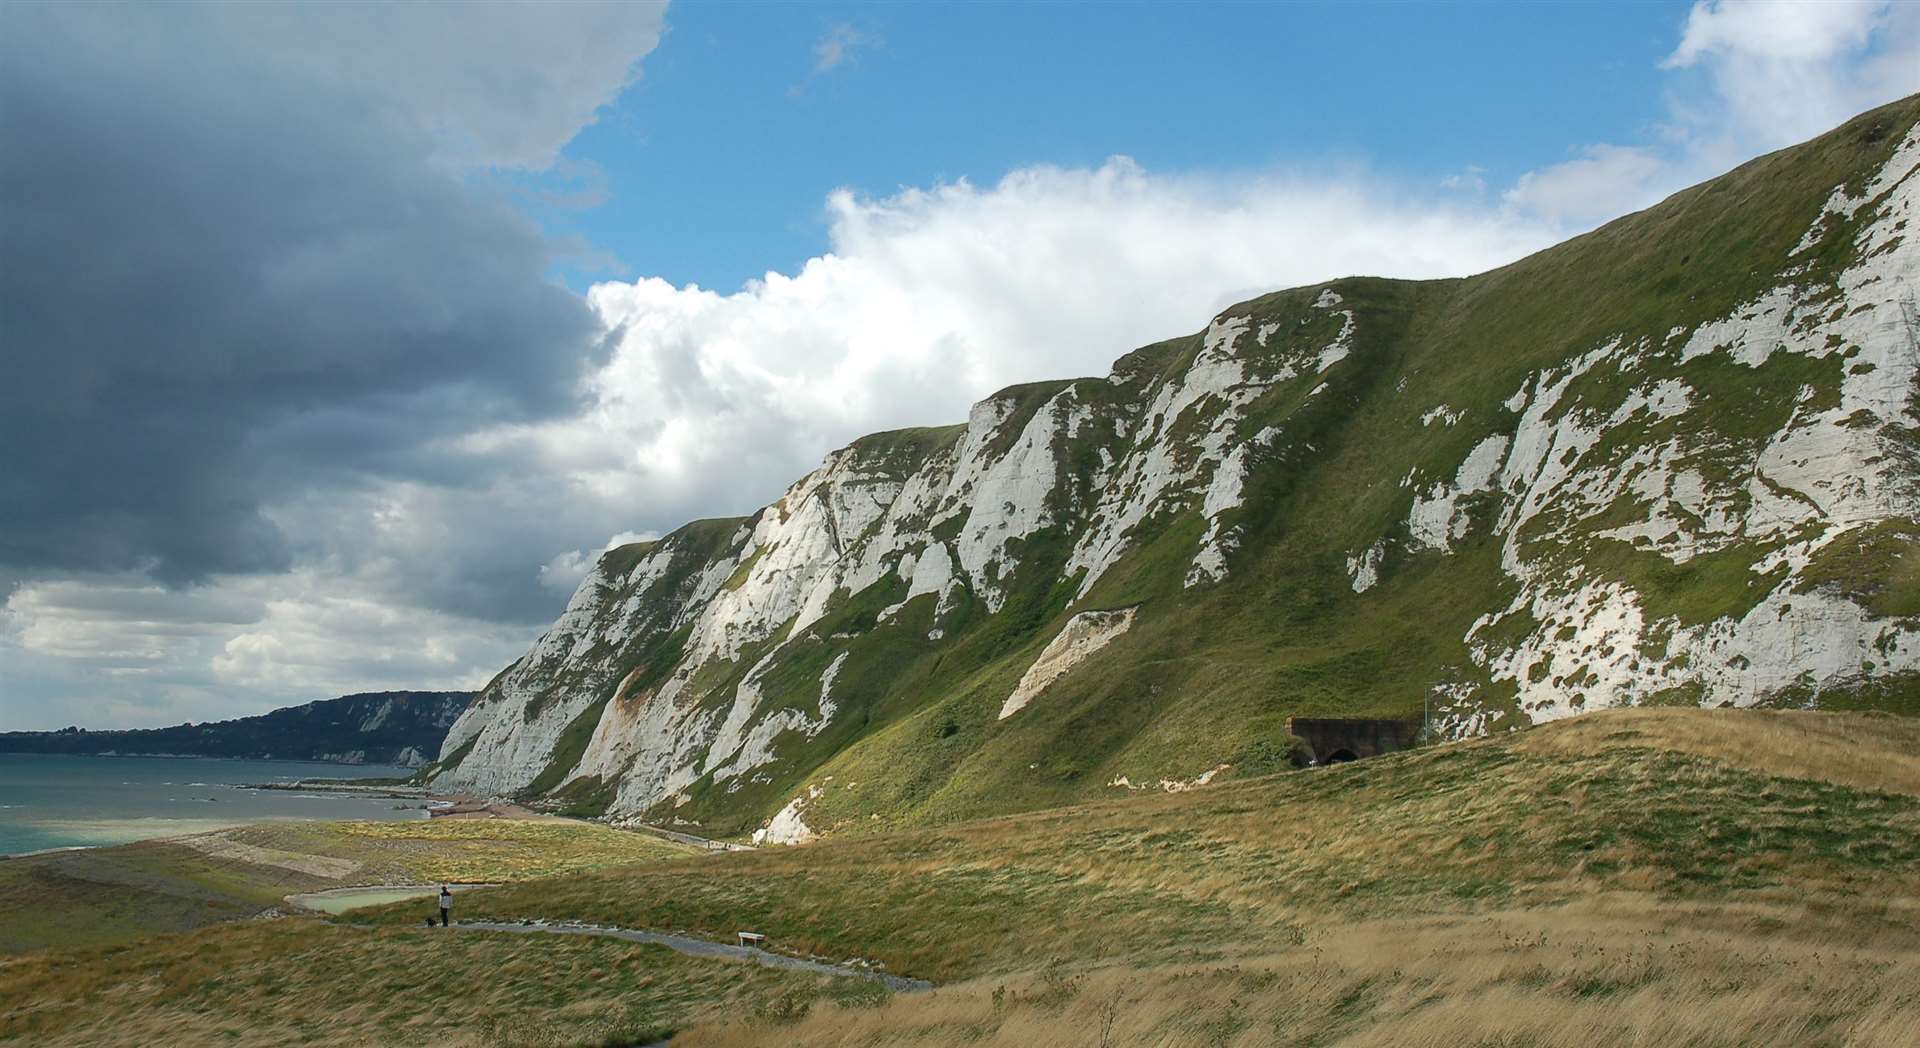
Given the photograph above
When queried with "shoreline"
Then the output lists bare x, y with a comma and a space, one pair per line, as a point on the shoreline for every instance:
451, 806
167, 837
55, 850
211, 757
342, 786
46, 834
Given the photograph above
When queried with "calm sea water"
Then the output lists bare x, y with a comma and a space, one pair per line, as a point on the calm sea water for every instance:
59, 802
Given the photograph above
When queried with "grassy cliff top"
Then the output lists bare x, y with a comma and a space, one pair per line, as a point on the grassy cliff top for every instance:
1651, 876
1684, 804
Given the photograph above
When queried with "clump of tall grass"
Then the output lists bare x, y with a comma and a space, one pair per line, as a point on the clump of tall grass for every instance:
1616, 970
1615, 801
301, 981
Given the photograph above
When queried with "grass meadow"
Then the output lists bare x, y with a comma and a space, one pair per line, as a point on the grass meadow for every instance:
106, 895
1654, 877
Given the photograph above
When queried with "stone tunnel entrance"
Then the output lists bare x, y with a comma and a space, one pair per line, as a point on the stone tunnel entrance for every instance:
1335, 740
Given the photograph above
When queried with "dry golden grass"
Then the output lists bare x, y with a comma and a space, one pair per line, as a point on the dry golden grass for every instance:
1646, 877
460, 849
299, 981
103, 895
1863, 751
1616, 970
1491, 824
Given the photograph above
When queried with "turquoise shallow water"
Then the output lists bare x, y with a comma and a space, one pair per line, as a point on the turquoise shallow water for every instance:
63, 802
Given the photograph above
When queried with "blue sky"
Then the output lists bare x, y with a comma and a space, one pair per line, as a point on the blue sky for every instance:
717, 161
345, 336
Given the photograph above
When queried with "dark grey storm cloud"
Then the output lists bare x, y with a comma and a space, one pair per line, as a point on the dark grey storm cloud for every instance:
229, 277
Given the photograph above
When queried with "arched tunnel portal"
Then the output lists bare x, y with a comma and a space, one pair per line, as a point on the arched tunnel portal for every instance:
1335, 740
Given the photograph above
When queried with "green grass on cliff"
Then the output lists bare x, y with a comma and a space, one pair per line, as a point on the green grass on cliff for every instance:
303, 982
1878, 566
1209, 674
1683, 804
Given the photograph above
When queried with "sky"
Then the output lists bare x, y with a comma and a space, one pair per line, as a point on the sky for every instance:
341, 338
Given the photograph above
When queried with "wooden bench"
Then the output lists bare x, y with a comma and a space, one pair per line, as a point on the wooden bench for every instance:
752, 940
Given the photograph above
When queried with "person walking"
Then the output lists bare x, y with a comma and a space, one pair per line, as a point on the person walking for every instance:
446, 904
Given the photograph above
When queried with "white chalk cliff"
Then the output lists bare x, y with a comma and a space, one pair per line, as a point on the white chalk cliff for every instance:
1661, 463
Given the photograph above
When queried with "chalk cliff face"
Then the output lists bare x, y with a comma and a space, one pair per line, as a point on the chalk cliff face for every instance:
1676, 460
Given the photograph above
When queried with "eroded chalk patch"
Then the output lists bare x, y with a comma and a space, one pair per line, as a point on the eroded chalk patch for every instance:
1084, 634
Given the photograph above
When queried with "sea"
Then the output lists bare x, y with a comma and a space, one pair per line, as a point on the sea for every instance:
49, 801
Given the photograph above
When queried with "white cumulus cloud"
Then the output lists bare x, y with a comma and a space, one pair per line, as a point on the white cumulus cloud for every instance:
1753, 76
932, 298
1602, 182
1774, 30
928, 298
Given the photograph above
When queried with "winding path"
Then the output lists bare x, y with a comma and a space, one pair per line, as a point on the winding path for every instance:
701, 948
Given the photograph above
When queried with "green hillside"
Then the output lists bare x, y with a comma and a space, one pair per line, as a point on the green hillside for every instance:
1672, 461
1823, 807
1639, 876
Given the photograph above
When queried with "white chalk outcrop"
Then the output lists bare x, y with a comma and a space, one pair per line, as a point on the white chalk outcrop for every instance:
1364, 569
723, 660
787, 826
1085, 634
1837, 465
1094, 460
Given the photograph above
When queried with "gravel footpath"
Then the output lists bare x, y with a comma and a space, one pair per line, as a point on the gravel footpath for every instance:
702, 948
